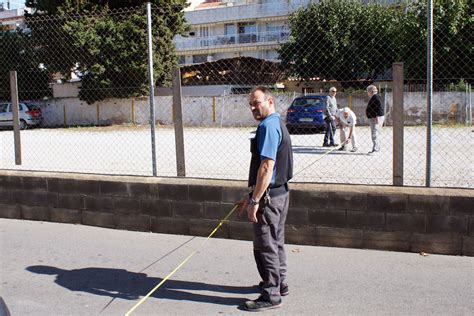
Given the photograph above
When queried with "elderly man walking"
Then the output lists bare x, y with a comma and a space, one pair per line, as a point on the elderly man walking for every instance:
375, 113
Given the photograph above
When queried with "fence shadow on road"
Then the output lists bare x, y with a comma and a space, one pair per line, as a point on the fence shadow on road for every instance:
124, 284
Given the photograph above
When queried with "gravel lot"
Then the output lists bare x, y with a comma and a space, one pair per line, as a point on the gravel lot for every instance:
224, 153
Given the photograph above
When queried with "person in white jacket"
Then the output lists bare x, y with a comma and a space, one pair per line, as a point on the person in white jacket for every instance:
346, 119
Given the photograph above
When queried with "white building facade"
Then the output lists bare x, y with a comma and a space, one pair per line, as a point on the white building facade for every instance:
234, 28
12, 18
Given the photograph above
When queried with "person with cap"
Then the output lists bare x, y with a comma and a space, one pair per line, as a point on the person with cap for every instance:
376, 114
346, 119
271, 167
330, 119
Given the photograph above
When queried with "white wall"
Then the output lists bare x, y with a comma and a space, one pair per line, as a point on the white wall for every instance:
231, 110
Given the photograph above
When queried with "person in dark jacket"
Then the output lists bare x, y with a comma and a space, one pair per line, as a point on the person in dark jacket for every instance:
271, 167
376, 114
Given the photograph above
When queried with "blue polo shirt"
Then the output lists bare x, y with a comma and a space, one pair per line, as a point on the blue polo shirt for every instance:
269, 138
272, 141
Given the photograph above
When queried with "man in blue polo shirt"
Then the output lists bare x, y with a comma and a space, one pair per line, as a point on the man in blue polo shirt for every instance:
271, 167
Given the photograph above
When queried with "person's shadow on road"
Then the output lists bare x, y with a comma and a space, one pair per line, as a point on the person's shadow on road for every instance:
120, 283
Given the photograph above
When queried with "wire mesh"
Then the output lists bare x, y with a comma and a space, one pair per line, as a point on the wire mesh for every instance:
88, 74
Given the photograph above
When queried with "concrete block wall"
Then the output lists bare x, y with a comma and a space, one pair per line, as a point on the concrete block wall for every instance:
374, 217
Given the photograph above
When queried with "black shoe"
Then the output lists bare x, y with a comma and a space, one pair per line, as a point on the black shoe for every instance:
284, 290
334, 145
326, 145
260, 304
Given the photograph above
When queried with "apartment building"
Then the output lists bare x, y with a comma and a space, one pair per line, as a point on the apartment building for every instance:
12, 18
236, 28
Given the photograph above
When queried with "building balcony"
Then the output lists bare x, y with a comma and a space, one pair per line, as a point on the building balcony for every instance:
244, 10
254, 38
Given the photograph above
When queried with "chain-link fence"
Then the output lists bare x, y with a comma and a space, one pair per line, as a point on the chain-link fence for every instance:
88, 74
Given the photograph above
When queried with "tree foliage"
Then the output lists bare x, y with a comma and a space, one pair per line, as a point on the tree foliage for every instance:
32, 79
349, 40
104, 43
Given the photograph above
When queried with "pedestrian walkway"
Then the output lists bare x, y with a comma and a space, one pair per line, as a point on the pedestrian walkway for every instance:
62, 269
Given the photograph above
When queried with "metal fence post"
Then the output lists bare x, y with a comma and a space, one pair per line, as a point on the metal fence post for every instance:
222, 108
429, 91
152, 88
470, 105
16, 116
178, 124
468, 120
398, 123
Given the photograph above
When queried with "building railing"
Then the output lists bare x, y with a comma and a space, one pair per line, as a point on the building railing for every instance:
234, 39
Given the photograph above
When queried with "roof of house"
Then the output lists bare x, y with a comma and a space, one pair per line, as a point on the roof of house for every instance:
210, 4
242, 70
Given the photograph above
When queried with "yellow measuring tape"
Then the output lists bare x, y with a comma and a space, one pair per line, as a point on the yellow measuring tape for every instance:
182, 263
319, 158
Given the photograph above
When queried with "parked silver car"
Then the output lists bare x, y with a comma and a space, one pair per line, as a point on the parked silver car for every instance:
30, 115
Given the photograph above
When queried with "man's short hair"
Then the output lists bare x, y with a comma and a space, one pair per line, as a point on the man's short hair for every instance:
267, 92
332, 89
372, 88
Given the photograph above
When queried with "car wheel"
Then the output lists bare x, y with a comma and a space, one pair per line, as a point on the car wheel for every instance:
23, 124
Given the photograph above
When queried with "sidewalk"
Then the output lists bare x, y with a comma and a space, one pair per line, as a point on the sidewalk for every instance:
62, 269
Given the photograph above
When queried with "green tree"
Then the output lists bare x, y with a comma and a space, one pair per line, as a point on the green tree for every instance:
453, 40
104, 43
349, 40
32, 78
341, 40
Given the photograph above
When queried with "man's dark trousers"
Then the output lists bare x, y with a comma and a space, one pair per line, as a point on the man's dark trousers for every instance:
268, 244
330, 131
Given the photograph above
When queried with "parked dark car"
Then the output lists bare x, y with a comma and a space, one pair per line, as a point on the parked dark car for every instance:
30, 115
306, 114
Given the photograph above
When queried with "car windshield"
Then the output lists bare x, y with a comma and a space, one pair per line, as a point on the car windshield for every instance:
309, 102
32, 106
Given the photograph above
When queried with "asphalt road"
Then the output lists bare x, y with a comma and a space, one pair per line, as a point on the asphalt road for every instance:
62, 269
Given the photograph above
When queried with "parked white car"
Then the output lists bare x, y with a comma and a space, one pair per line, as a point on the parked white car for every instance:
30, 115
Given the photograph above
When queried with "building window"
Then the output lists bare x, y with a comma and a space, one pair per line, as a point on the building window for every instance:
199, 58
229, 29
247, 27
229, 34
277, 28
247, 32
182, 60
203, 31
